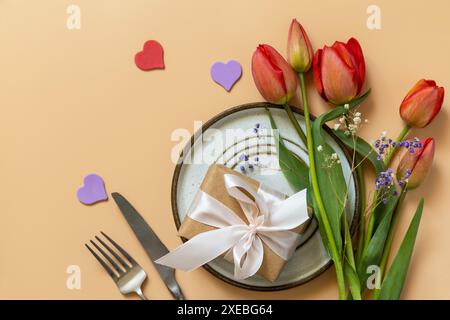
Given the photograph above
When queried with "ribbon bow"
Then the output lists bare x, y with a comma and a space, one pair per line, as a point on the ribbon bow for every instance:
270, 214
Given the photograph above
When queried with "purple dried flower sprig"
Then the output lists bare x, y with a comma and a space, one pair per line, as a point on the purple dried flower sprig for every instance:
384, 182
384, 145
248, 164
244, 157
411, 145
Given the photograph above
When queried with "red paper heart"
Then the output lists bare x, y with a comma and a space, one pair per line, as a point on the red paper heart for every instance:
151, 57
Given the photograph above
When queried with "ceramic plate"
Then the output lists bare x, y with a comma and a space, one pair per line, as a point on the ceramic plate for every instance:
225, 139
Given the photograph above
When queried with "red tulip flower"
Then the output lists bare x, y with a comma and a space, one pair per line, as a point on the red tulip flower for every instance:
274, 77
339, 71
299, 50
422, 103
414, 164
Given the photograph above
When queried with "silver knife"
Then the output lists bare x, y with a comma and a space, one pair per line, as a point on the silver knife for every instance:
154, 248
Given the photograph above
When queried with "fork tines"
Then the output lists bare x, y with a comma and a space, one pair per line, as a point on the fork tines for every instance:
119, 265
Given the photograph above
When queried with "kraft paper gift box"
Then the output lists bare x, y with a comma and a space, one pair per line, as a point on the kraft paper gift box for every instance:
214, 185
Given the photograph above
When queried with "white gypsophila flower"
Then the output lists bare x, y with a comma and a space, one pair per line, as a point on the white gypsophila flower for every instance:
320, 148
352, 128
330, 161
349, 122
346, 106
337, 126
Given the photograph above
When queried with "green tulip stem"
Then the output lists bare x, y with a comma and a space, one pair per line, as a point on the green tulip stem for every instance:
390, 238
362, 216
387, 161
294, 121
316, 191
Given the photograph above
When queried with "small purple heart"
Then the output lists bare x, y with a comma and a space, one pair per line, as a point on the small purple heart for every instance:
93, 190
226, 74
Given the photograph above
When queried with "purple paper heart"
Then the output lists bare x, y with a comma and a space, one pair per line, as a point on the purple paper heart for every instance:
93, 190
226, 74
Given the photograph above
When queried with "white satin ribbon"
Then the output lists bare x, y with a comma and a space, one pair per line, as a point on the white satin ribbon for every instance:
270, 216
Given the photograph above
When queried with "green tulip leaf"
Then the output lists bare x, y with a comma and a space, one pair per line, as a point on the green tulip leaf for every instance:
392, 286
298, 178
293, 167
338, 111
349, 263
332, 183
312, 203
374, 251
381, 209
353, 281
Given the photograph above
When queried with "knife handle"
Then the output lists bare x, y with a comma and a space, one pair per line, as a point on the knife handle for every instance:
175, 290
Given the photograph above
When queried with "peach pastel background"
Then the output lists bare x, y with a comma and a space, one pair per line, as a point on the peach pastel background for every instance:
73, 103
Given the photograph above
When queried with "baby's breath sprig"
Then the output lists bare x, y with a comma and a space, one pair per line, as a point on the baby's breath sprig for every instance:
350, 121
329, 160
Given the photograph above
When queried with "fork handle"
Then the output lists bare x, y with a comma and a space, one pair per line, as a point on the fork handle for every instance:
141, 294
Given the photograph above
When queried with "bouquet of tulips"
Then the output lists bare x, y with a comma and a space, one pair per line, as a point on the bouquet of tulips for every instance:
339, 72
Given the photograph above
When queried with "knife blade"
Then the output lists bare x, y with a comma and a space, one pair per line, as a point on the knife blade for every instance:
152, 245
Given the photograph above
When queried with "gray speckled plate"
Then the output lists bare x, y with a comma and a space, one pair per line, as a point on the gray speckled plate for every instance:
310, 258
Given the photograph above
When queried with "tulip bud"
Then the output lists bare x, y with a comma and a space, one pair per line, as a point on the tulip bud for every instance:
414, 166
299, 50
422, 103
339, 71
273, 76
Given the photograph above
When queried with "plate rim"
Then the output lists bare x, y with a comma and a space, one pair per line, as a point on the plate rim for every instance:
176, 175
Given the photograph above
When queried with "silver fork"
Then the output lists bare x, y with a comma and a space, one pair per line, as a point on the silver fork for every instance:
129, 276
